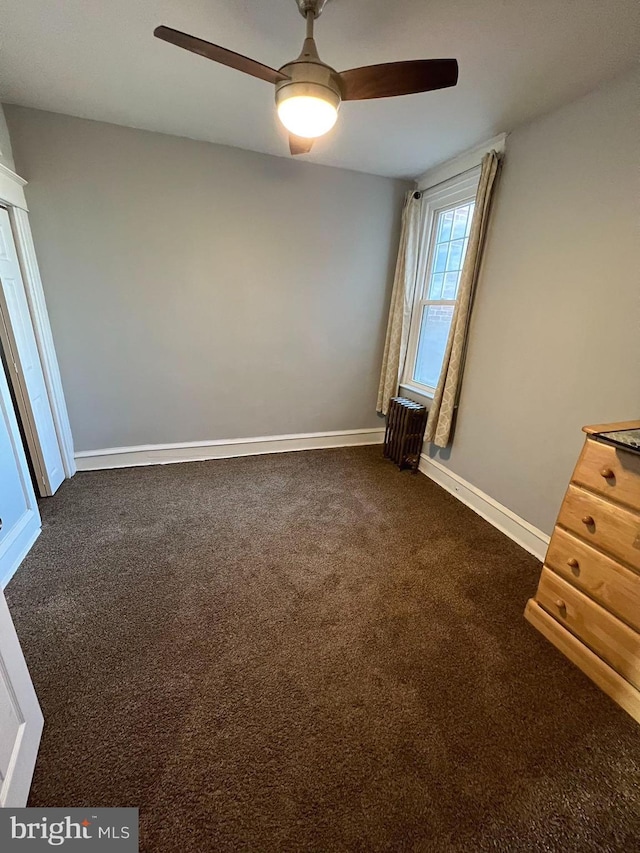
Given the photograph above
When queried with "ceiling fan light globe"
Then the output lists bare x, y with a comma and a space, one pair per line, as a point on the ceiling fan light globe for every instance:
307, 115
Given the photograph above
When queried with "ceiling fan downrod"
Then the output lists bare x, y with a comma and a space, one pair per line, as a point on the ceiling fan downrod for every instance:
309, 50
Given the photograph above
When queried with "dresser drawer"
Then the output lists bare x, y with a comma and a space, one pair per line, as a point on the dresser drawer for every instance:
605, 525
607, 636
610, 472
613, 585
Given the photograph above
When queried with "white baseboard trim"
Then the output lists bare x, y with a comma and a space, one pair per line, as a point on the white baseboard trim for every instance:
195, 451
526, 535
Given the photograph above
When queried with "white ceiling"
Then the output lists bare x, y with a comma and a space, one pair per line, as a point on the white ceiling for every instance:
518, 59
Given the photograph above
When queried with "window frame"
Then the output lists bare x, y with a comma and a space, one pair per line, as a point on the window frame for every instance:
451, 193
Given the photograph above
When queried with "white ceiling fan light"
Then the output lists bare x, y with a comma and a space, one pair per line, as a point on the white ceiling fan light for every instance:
308, 116
309, 92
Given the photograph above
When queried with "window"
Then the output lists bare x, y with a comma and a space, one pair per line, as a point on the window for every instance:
447, 215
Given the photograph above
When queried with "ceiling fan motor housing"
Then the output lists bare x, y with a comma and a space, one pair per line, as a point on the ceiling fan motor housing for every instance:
310, 79
314, 7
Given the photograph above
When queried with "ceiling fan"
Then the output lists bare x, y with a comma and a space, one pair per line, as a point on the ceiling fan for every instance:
309, 92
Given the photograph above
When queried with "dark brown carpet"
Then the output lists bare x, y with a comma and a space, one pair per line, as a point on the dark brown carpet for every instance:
309, 652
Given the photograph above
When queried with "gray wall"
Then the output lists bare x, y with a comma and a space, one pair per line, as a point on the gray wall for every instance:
555, 335
6, 155
203, 292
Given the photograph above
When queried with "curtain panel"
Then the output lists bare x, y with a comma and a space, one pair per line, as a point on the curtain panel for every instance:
445, 399
402, 297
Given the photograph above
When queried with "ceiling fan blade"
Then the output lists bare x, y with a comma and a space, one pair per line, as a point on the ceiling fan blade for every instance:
398, 78
219, 54
299, 144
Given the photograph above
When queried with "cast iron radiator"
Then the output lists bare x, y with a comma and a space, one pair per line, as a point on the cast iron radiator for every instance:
406, 422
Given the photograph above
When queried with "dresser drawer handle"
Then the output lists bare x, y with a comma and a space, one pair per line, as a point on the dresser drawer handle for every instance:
588, 520
562, 607
574, 565
607, 473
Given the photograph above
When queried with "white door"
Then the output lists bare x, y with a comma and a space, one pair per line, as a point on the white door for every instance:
20, 717
25, 370
19, 516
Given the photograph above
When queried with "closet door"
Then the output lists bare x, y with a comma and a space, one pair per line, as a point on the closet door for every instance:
19, 516
25, 370
20, 717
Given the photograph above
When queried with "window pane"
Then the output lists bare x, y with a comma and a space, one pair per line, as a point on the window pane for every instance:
434, 332
449, 250
460, 222
454, 260
435, 288
444, 226
440, 258
451, 282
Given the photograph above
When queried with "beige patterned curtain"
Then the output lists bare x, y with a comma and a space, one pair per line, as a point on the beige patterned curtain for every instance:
402, 296
447, 393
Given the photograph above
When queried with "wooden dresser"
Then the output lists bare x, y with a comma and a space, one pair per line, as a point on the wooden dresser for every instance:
588, 599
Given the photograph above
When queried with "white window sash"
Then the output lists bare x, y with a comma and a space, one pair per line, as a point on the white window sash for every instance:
449, 194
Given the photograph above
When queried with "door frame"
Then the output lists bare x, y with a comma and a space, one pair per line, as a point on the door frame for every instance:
13, 198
